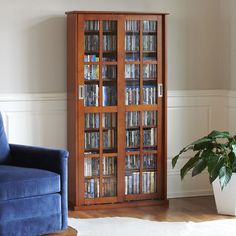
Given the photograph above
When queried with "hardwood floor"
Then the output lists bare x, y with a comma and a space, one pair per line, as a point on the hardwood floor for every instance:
181, 209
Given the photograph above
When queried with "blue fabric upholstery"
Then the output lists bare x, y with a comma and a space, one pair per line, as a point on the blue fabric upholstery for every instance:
4, 146
33, 189
46, 159
30, 216
19, 182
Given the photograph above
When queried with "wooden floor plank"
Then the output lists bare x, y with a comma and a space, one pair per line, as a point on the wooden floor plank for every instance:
182, 209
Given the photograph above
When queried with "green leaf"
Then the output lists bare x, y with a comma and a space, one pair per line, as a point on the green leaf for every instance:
211, 163
233, 146
189, 165
174, 160
203, 145
219, 134
201, 140
199, 167
224, 176
216, 169
232, 159
185, 149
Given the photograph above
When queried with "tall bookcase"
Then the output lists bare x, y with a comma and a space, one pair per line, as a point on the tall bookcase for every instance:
116, 109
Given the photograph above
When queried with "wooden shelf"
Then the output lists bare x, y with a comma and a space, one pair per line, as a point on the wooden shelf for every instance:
149, 32
109, 52
91, 31
132, 52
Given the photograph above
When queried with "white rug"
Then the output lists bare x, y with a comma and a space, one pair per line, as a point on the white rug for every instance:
122, 226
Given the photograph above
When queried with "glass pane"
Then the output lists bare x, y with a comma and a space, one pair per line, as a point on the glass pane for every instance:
109, 181
132, 139
132, 130
91, 25
132, 71
132, 92
149, 72
109, 166
109, 77
150, 40
109, 187
91, 140
149, 130
91, 41
91, 121
150, 118
149, 182
149, 137
109, 73
91, 167
132, 39
109, 41
132, 162
132, 119
149, 94
149, 161
91, 92
91, 72
132, 183
109, 125
91, 188
91, 134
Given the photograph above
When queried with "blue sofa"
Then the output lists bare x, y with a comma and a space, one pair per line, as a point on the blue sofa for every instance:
33, 189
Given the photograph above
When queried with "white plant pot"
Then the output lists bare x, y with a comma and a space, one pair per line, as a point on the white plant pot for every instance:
226, 199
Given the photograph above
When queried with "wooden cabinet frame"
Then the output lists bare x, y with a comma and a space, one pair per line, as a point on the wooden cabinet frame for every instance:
76, 110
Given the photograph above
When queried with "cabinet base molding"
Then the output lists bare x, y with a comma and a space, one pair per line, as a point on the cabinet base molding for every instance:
143, 203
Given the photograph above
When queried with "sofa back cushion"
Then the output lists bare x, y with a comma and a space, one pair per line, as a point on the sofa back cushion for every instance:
4, 146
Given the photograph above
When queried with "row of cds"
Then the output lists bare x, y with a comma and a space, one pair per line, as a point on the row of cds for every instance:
91, 186
131, 42
132, 95
132, 162
149, 42
130, 25
133, 137
132, 183
149, 25
109, 42
91, 120
91, 42
91, 166
133, 118
91, 139
91, 72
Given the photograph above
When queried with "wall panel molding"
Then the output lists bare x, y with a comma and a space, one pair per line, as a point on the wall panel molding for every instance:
40, 119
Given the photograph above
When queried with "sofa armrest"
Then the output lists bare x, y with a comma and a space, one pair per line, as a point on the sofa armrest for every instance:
54, 160
38, 157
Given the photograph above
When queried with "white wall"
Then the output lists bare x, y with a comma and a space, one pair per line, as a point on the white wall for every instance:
33, 42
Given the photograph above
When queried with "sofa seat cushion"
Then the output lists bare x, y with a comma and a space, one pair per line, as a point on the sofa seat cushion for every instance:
19, 182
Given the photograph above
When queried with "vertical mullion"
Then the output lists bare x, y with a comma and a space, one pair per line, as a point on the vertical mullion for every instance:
100, 104
121, 108
80, 104
141, 61
160, 158
100, 62
141, 102
141, 152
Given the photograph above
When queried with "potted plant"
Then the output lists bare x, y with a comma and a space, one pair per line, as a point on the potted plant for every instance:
215, 152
